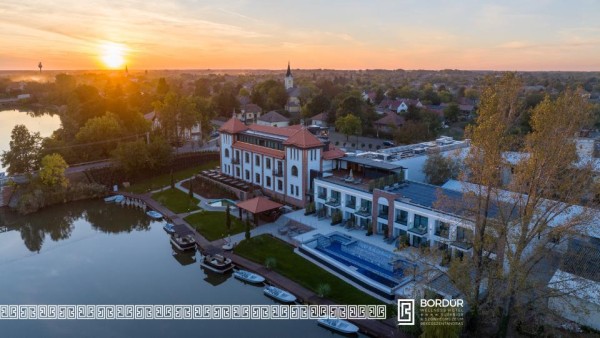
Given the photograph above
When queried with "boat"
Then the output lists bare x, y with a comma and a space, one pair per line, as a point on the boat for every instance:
154, 214
111, 199
118, 199
280, 295
248, 276
338, 325
183, 243
228, 245
169, 228
217, 263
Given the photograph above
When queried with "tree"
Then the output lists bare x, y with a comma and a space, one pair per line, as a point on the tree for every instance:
247, 233
162, 87
24, 149
451, 112
270, 95
317, 105
349, 125
102, 132
520, 220
52, 171
176, 114
137, 156
228, 217
439, 169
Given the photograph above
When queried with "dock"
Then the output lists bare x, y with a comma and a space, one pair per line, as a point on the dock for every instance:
387, 328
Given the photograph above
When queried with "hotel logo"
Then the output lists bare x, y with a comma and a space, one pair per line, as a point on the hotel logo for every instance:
406, 312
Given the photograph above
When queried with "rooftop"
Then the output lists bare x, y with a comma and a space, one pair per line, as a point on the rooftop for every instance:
273, 117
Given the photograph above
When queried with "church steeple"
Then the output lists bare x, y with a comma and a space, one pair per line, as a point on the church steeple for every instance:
289, 79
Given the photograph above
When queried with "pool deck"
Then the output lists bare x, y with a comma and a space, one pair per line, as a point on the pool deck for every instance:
386, 328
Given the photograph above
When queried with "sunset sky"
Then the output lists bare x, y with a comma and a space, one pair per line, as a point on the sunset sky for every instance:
186, 34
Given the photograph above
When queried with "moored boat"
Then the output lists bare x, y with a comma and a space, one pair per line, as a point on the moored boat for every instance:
338, 325
154, 214
183, 243
248, 276
111, 199
119, 199
228, 245
280, 295
169, 228
217, 263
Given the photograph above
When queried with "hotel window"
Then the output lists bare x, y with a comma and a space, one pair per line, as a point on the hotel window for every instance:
420, 222
257, 160
268, 181
247, 157
248, 175
268, 163
257, 178
226, 152
401, 216
294, 171
291, 189
279, 185
237, 172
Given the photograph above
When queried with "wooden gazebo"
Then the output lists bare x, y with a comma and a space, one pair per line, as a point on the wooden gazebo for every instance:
258, 205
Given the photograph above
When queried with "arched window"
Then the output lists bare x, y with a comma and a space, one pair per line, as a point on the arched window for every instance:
226, 152
294, 171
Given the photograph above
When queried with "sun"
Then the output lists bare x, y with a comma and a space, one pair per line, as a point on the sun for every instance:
113, 55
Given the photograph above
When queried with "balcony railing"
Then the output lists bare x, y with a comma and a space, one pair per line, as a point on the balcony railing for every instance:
363, 212
278, 173
418, 230
462, 244
235, 161
401, 221
322, 196
382, 214
333, 202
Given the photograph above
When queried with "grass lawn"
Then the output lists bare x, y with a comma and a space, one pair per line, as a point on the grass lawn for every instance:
165, 179
176, 200
211, 224
300, 270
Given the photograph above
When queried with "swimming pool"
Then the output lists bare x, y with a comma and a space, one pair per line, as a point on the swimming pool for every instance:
222, 203
368, 262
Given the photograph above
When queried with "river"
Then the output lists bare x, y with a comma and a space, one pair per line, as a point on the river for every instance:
44, 124
90, 252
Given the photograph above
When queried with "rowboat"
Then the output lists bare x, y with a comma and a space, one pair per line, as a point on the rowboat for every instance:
338, 325
280, 295
111, 199
248, 276
169, 228
154, 214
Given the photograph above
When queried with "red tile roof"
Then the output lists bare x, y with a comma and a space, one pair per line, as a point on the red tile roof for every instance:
303, 139
280, 154
391, 119
318, 117
233, 126
333, 153
281, 131
258, 204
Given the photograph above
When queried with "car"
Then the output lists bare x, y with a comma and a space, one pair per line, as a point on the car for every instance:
388, 144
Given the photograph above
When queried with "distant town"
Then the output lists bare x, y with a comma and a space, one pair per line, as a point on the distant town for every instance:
364, 187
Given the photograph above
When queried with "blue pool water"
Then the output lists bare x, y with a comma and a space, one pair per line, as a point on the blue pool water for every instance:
222, 203
371, 261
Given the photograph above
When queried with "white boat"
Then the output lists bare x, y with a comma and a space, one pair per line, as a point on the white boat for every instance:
118, 198
217, 263
228, 245
248, 276
154, 214
338, 325
280, 295
111, 199
183, 243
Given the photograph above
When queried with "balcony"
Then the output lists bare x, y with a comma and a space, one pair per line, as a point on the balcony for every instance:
441, 232
462, 244
278, 173
420, 231
322, 195
350, 204
235, 161
333, 202
401, 221
363, 212
382, 214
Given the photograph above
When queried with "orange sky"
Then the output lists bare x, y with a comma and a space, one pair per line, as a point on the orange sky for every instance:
438, 34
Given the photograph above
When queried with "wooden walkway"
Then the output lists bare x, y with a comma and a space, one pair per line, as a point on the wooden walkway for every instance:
375, 328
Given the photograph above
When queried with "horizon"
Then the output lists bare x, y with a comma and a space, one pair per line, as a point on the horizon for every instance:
339, 35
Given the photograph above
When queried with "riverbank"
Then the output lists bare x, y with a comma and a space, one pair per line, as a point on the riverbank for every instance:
387, 328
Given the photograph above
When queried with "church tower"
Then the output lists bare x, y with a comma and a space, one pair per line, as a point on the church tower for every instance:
289, 79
